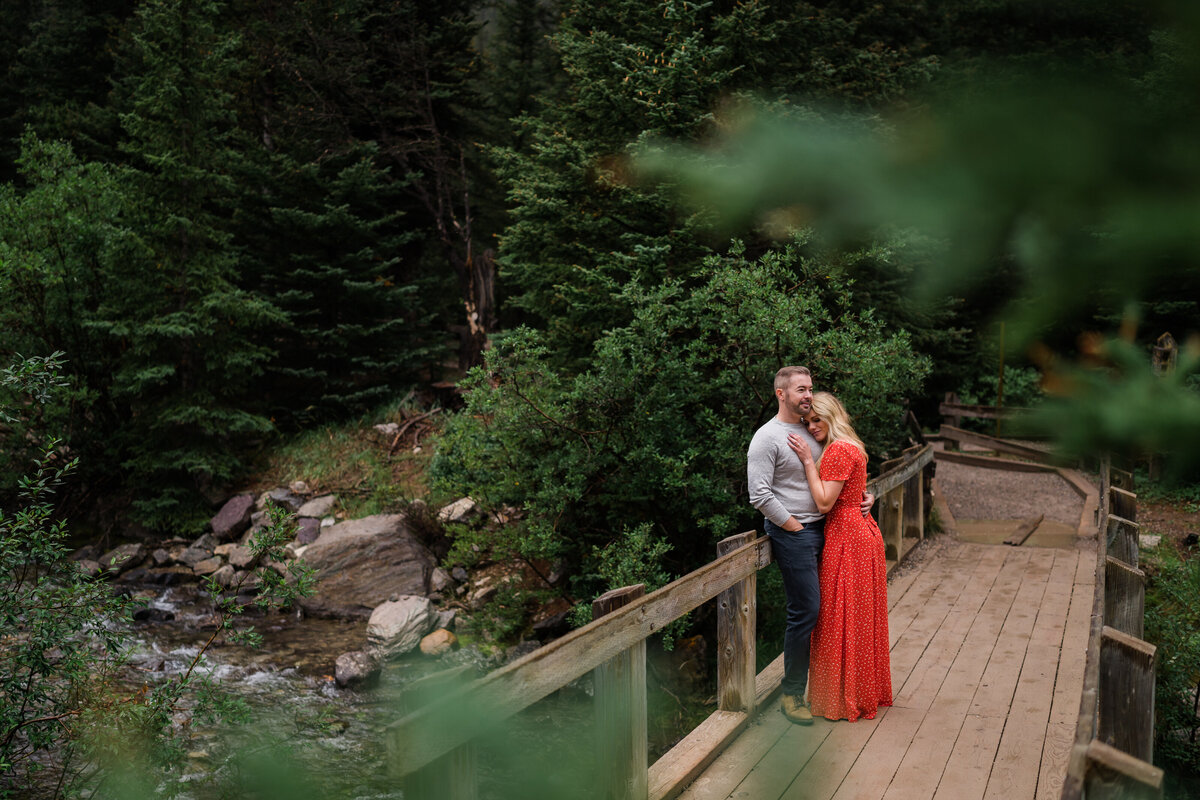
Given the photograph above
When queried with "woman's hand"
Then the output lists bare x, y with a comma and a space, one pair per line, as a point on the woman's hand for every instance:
800, 447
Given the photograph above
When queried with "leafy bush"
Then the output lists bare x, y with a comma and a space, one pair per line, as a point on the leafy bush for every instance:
654, 432
1173, 626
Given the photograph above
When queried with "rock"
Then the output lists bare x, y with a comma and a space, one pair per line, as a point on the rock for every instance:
1191, 540
459, 574
439, 580
439, 642
206, 542
89, 552
224, 549
259, 519
160, 556
328, 521
307, 530
170, 576
193, 556
356, 669
387, 428
207, 567
151, 614
90, 568
482, 594
397, 626
233, 518
520, 650
462, 510
121, 558
284, 498
552, 627
298, 487
1149, 539
241, 557
318, 507
445, 618
225, 577
361, 563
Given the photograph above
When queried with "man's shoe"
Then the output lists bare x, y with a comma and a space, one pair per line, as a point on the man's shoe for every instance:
794, 709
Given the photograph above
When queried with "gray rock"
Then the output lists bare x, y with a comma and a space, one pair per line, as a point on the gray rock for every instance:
241, 557
207, 567
356, 669
89, 552
285, 498
397, 626
206, 542
318, 507
89, 567
160, 556
446, 618
361, 563
298, 487
462, 510
1148, 540
233, 518
119, 559
225, 577
193, 556
307, 530
439, 580
387, 428
459, 574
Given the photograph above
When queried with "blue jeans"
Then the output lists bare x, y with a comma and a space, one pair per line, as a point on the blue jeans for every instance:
798, 554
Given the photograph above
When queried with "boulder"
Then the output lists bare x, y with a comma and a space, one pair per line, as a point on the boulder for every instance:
241, 557
160, 557
356, 669
307, 530
439, 642
361, 563
225, 577
233, 518
318, 507
462, 510
298, 487
90, 568
207, 567
121, 558
285, 498
192, 556
439, 580
398, 626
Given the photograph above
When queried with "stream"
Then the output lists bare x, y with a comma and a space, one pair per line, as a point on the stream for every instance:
307, 737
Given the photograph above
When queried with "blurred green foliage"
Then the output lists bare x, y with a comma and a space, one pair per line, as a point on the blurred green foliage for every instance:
1173, 626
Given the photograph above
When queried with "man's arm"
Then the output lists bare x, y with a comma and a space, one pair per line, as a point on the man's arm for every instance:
867, 501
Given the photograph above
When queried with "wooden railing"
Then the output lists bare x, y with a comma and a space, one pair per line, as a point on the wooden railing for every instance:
431, 748
1114, 739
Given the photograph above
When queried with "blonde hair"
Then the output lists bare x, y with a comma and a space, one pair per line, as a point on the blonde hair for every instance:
834, 414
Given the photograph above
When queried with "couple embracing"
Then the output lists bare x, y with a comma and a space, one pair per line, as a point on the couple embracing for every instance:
807, 473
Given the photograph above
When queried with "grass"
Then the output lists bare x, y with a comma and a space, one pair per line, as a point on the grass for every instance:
355, 461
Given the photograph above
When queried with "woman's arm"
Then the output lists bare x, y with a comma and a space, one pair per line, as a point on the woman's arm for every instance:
825, 493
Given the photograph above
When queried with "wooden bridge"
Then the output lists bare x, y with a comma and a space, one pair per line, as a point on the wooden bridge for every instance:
1019, 672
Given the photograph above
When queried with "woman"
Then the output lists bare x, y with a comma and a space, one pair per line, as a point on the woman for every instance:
850, 670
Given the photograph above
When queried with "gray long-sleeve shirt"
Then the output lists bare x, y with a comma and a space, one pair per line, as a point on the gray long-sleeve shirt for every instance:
775, 475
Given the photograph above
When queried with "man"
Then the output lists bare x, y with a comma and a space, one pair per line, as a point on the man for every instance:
779, 489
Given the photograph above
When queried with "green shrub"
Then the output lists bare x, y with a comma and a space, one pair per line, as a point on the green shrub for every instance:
653, 435
1173, 626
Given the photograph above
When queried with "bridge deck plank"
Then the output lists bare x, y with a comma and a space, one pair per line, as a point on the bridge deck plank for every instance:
987, 645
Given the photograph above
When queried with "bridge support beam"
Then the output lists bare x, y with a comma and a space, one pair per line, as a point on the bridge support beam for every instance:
620, 702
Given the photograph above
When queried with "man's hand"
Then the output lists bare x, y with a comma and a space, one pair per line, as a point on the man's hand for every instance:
792, 524
867, 501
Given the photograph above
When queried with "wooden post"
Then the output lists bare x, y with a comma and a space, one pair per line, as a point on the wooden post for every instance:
953, 421
1126, 702
891, 523
451, 776
1120, 478
1124, 597
737, 612
914, 507
1123, 503
1121, 537
1113, 775
620, 703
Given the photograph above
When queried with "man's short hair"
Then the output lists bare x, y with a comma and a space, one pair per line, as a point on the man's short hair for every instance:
785, 374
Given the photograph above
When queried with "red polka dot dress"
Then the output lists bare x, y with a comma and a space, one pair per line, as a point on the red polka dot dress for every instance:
850, 670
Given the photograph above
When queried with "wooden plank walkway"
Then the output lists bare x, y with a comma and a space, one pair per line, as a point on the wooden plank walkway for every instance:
988, 646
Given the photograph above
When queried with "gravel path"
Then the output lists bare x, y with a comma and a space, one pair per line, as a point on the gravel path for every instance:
982, 493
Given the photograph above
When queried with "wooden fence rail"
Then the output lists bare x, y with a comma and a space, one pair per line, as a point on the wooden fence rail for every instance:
1114, 739
437, 737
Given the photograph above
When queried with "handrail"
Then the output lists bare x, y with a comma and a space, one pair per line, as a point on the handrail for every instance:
435, 730
1114, 735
